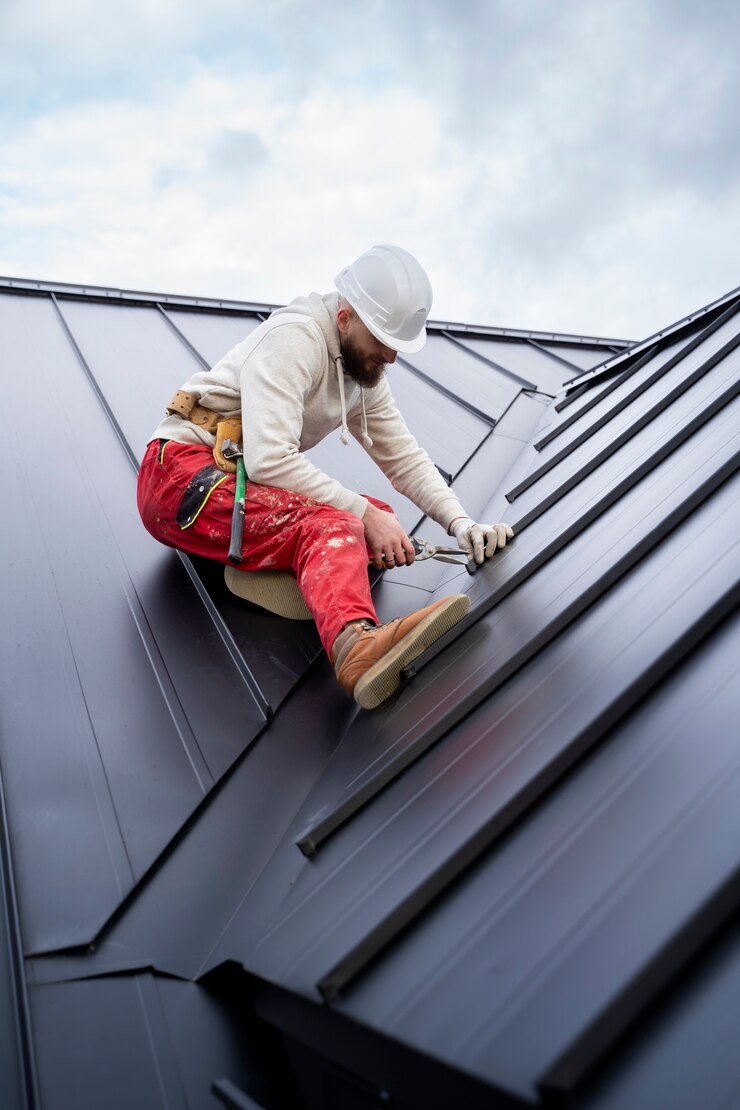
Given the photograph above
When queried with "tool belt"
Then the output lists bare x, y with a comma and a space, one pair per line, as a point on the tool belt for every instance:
188, 407
224, 428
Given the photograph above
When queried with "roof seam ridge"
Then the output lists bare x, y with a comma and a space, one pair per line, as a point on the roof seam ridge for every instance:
459, 401
183, 338
658, 338
96, 387
22, 1012
551, 354
524, 383
634, 429
314, 834
411, 905
89, 291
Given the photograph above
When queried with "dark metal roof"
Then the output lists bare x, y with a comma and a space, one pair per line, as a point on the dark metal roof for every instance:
514, 884
687, 325
172, 1042
218, 306
17, 1061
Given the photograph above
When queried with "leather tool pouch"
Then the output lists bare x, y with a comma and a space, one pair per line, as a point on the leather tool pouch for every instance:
205, 418
182, 404
227, 430
186, 405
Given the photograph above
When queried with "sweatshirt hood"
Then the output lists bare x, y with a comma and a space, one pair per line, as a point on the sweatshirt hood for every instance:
323, 309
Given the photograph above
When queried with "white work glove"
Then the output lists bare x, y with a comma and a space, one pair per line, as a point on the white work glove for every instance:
480, 540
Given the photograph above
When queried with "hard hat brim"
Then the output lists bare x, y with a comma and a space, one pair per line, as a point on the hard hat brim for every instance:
401, 346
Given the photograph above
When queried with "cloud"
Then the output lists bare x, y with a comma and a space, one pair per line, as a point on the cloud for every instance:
237, 150
233, 180
557, 167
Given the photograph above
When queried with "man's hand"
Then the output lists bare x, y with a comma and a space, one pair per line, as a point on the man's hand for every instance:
480, 540
386, 538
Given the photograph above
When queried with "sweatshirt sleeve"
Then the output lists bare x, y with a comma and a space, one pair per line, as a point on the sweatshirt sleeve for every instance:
276, 379
400, 457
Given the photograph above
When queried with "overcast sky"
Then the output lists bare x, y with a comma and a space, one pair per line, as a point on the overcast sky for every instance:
572, 166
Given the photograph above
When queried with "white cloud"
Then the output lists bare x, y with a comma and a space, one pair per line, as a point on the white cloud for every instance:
571, 168
134, 183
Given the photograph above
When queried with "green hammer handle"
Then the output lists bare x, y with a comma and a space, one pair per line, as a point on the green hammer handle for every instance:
237, 518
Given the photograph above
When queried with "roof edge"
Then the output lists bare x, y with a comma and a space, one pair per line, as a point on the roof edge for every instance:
130, 296
665, 333
140, 297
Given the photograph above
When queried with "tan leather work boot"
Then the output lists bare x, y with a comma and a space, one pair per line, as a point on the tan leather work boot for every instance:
368, 660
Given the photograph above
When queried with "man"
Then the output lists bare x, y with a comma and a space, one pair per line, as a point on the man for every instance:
314, 367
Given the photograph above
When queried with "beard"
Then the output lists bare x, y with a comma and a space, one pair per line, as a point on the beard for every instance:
365, 371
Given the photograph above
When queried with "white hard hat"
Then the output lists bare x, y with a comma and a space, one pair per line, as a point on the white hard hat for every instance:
391, 294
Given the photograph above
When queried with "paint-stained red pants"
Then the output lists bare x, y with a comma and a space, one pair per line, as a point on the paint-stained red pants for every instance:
324, 547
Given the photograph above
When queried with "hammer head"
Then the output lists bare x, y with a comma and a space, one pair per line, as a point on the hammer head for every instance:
231, 450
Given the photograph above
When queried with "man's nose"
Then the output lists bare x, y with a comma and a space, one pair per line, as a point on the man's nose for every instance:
389, 355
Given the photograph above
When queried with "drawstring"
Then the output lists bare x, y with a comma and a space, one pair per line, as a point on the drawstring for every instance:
366, 441
344, 437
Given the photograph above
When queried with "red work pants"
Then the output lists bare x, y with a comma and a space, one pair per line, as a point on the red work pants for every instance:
322, 546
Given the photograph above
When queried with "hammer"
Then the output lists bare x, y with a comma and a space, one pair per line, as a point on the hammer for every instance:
232, 450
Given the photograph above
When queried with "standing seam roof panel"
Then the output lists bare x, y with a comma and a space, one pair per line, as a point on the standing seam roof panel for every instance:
583, 357
412, 722
702, 321
113, 661
482, 386
599, 442
240, 825
623, 389
596, 396
453, 813
171, 1040
518, 916
113, 338
127, 344
523, 359
212, 334
595, 627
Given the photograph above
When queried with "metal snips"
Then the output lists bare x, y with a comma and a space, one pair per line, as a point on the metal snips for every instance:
425, 550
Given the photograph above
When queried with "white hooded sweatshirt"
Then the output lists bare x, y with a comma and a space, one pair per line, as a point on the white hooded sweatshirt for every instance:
287, 381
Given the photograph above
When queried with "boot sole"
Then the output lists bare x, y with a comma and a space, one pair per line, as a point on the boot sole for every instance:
384, 678
274, 590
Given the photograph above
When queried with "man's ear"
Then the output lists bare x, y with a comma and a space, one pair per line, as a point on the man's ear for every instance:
343, 318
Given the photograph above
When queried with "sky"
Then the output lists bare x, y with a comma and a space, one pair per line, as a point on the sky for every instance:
558, 166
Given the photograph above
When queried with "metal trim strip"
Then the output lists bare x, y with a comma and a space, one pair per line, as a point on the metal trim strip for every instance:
569, 398
314, 835
220, 624
183, 338
665, 333
578, 525
484, 416
580, 385
575, 416
32, 287
549, 351
571, 1067
94, 383
359, 954
523, 382
628, 433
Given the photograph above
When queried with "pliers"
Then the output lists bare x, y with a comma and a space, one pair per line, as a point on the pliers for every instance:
424, 550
